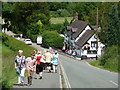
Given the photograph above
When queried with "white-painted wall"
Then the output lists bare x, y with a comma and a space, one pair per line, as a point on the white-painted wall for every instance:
84, 52
100, 45
90, 40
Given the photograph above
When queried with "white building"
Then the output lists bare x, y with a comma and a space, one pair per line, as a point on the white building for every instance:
81, 38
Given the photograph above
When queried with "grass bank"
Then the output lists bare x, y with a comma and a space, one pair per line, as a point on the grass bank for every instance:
110, 60
60, 20
10, 47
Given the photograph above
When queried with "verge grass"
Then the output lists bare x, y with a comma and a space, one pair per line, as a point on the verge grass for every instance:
60, 20
110, 60
10, 47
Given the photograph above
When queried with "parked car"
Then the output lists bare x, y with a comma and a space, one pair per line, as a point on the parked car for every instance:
28, 41
88, 54
16, 37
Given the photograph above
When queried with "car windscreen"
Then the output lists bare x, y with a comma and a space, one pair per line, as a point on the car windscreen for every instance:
28, 40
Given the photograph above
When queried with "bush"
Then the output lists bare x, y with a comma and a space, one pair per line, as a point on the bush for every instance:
52, 39
54, 14
60, 28
109, 60
63, 13
33, 30
16, 45
60, 13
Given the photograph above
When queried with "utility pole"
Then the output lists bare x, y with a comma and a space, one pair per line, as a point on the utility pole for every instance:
97, 31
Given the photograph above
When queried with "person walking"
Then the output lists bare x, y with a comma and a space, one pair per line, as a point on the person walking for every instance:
52, 52
55, 62
34, 54
48, 59
39, 65
30, 63
20, 67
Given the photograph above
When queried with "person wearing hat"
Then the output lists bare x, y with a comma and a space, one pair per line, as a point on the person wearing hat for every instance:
55, 62
20, 67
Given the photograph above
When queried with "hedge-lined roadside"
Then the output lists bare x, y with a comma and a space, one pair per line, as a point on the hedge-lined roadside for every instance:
110, 60
16, 45
10, 47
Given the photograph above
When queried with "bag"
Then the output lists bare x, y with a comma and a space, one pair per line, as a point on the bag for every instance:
18, 71
42, 60
52, 62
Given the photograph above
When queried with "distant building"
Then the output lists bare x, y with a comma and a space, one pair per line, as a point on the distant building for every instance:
80, 37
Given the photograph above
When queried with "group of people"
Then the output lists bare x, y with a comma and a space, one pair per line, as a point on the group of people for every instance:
37, 62
71, 52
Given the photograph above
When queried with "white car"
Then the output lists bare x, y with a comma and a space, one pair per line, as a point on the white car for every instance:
28, 41
16, 37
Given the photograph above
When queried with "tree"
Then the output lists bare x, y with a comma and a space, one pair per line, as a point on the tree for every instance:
22, 14
84, 8
113, 27
63, 13
66, 23
33, 30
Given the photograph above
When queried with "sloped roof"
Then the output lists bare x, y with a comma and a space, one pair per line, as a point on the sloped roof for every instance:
85, 37
80, 25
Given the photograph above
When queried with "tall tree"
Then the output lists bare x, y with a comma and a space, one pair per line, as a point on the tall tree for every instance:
113, 27
25, 13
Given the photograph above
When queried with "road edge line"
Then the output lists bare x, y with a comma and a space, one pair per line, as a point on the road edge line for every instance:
60, 78
100, 68
65, 77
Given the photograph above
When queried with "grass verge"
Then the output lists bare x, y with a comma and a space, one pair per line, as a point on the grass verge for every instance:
110, 60
10, 47
60, 20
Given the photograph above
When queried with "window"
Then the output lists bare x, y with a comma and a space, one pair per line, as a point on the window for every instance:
93, 44
92, 52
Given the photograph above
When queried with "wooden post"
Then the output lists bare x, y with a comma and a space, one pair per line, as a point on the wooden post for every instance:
97, 31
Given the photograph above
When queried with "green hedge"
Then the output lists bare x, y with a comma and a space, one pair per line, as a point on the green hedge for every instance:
52, 39
110, 60
16, 45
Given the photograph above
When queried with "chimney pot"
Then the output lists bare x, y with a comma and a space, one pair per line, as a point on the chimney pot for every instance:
76, 16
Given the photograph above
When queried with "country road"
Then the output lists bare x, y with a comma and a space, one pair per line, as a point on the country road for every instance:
82, 75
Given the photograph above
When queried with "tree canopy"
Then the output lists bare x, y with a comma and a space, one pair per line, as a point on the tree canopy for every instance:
113, 27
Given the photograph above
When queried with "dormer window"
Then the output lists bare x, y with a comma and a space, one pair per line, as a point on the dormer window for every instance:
74, 29
69, 27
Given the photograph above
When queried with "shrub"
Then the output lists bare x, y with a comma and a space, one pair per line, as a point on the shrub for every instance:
54, 14
33, 30
16, 45
110, 60
63, 13
52, 39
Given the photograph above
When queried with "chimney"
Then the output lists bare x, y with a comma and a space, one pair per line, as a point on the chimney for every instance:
76, 16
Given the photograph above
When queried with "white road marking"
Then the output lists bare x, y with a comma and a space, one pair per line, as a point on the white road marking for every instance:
60, 79
114, 83
88, 64
65, 77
